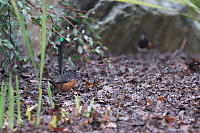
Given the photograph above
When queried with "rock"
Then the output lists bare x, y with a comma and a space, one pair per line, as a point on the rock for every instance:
120, 25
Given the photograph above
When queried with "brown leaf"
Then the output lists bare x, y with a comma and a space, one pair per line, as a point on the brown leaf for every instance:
32, 119
184, 66
160, 98
107, 113
85, 123
149, 102
169, 119
90, 85
164, 90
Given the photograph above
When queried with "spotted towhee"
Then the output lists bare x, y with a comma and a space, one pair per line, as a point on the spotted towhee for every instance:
66, 81
144, 44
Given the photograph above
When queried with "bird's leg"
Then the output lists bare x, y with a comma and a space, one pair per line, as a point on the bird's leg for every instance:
60, 58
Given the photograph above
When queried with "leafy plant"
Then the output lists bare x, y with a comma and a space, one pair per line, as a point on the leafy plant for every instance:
78, 106
28, 111
10, 104
90, 108
50, 96
19, 118
42, 60
2, 103
21, 23
71, 24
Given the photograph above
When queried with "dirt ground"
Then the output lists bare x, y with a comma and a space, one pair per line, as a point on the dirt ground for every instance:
161, 94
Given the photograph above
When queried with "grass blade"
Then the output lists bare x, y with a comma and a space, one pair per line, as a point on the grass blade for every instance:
90, 108
19, 118
21, 23
42, 60
2, 103
50, 96
78, 106
10, 104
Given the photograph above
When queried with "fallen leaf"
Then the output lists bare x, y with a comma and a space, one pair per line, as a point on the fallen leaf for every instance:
169, 119
184, 66
111, 125
85, 123
33, 81
107, 113
160, 98
25, 75
164, 90
149, 102
90, 85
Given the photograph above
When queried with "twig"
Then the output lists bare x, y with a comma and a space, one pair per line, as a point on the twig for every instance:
180, 49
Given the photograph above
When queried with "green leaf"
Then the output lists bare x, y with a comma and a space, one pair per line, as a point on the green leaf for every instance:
36, 22
20, 4
42, 61
75, 32
76, 57
2, 103
19, 119
57, 27
8, 44
85, 37
83, 31
70, 62
122, 68
130, 70
80, 40
97, 49
50, 95
90, 108
90, 41
24, 11
80, 49
68, 39
10, 104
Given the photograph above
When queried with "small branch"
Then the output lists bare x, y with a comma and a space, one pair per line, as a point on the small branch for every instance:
180, 49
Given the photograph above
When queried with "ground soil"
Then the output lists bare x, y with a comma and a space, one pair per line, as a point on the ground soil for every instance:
161, 94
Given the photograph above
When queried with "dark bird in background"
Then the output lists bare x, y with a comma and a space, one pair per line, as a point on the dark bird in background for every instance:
144, 44
193, 64
65, 82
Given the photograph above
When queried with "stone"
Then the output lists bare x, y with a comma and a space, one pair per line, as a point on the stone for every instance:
120, 25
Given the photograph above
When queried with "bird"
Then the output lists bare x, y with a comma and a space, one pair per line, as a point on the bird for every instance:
144, 44
193, 64
66, 81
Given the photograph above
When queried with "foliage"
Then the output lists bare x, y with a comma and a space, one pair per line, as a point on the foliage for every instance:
2, 103
9, 50
42, 60
10, 104
19, 118
62, 21
22, 26
78, 106
90, 108
50, 96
